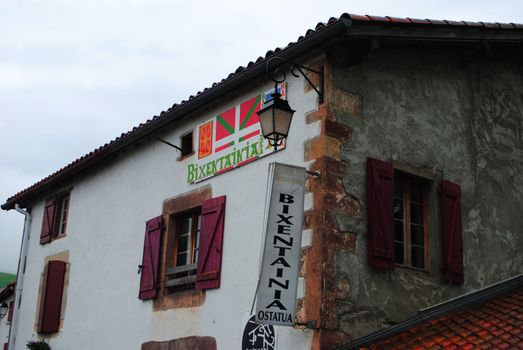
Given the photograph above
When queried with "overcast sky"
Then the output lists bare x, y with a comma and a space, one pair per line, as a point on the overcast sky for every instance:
75, 74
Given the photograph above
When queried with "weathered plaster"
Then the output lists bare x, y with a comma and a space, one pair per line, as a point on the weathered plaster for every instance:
462, 122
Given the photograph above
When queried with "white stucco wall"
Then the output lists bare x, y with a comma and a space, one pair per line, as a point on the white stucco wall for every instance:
107, 214
4, 325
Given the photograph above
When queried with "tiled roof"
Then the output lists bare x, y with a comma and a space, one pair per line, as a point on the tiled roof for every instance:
408, 20
493, 321
252, 69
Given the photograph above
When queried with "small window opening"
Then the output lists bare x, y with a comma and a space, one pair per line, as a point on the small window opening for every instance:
60, 225
187, 144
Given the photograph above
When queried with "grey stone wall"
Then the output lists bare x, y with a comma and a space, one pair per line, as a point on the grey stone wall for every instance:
430, 113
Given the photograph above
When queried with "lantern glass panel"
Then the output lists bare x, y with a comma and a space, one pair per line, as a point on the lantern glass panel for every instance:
275, 119
282, 122
265, 116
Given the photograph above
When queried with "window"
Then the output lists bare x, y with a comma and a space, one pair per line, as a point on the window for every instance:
192, 249
187, 144
187, 236
51, 297
410, 221
398, 220
61, 217
54, 224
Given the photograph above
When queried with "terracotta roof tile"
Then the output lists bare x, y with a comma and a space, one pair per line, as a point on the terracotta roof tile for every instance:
359, 18
494, 323
473, 24
378, 18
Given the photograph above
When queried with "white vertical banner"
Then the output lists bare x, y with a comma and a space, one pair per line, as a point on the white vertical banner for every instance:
276, 297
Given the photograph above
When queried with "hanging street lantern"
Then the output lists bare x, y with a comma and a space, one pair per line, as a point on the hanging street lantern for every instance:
275, 120
276, 116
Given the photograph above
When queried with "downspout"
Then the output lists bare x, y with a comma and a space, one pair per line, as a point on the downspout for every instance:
20, 275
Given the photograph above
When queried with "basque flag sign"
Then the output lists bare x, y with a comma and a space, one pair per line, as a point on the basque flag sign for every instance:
229, 140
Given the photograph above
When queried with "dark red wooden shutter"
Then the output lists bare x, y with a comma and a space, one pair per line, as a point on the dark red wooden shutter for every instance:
51, 298
211, 243
6, 346
11, 309
48, 221
452, 263
149, 279
380, 203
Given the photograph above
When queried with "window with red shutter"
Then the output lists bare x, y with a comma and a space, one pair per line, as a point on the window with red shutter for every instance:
196, 237
380, 193
211, 243
48, 221
186, 239
54, 223
452, 259
149, 279
51, 297
397, 209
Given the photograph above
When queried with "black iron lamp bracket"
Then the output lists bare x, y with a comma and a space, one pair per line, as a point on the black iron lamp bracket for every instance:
277, 66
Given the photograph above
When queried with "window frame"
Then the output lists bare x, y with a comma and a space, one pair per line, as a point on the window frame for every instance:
201, 197
55, 219
59, 220
407, 179
185, 151
187, 273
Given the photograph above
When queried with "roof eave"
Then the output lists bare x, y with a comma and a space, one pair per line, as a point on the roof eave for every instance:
230, 84
433, 32
352, 26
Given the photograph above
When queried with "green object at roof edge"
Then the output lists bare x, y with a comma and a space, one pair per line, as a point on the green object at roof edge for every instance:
5, 279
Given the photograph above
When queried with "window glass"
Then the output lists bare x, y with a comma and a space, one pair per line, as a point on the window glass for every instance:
187, 236
416, 213
187, 144
60, 215
398, 253
197, 240
64, 205
416, 235
418, 257
410, 226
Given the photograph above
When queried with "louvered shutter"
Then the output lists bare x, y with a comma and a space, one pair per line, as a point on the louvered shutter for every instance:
211, 243
48, 221
11, 310
380, 203
452, 263
6, 346
150, 272
51, 297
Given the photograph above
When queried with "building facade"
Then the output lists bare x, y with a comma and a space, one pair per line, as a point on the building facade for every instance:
418, 142
6, 299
